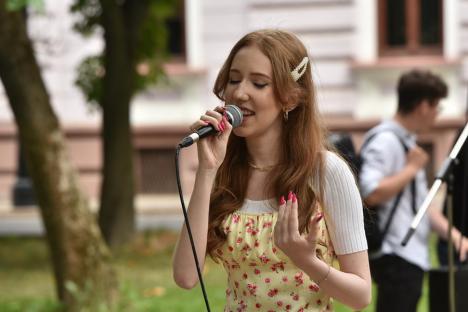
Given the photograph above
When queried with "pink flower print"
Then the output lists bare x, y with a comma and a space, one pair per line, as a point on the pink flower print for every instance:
230, 248
252, 289
285, 279
258, 305
267, 280
300, 310
239, 240
299, 278
252, 231
295, 296
244, 275
288, 307
278, 266
267, 224
256, 271
246, 248
279, 303
235, 218
274, 249
264, 258
256, 244
314, 287
273, 292
319, 302
242, 306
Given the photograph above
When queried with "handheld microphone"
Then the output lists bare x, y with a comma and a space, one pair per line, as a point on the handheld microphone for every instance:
234, 117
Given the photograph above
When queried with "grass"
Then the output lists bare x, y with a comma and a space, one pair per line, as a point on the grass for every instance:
144, 272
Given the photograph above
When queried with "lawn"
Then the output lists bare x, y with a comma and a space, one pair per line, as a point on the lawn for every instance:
144, 271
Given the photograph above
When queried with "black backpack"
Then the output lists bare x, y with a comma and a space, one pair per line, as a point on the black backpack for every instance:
344, 145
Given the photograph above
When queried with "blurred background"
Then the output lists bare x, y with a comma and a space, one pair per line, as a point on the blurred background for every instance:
358, 50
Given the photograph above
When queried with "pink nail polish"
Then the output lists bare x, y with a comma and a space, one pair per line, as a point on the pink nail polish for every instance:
282, 201
290, 195
319, 217
294, 198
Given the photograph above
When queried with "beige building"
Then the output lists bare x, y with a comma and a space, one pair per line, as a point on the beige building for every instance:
358, 49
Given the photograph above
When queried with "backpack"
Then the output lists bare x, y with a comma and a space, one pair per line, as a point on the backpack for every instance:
374, 235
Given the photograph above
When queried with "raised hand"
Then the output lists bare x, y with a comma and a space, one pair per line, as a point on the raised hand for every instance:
212, 149
299, 248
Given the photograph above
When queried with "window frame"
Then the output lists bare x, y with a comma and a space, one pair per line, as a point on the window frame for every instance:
413, 45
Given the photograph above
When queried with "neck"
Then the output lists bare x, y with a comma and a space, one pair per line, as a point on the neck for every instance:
407, 122
264, 150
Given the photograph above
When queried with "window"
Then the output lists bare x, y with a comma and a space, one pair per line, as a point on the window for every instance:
410, 27
176, 35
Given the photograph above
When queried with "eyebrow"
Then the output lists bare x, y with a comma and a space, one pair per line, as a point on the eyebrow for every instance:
252, 74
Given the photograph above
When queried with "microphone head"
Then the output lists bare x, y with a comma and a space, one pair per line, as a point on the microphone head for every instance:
234, 115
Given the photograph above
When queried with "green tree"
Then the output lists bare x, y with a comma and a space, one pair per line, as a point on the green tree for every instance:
135, 34
80, 257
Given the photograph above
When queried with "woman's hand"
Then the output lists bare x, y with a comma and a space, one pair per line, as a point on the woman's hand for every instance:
212, 149
299, 248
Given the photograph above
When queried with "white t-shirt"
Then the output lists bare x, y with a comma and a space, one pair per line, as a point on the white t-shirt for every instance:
342, 206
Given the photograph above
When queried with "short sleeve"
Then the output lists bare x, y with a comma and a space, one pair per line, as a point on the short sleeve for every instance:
378, 158
343, 207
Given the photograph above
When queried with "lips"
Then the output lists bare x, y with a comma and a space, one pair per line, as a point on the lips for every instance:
246, 112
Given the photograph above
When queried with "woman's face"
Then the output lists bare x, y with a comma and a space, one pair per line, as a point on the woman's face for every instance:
250, 87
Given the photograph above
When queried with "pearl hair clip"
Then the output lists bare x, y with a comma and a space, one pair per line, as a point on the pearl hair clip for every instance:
300, 69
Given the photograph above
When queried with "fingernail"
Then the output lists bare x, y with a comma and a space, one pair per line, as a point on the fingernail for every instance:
319, 217
294, 198
220, 127
282, 201
290, 195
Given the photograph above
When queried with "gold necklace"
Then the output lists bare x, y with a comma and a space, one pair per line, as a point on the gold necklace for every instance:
263, 169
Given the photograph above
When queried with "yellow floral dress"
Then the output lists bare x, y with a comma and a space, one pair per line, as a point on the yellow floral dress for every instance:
260, 276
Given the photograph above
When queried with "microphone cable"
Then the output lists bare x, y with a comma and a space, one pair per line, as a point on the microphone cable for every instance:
187, 224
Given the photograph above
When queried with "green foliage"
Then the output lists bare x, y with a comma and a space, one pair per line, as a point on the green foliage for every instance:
151, 46
14, 5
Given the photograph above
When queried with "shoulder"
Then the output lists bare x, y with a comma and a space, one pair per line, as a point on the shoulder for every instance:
335, 164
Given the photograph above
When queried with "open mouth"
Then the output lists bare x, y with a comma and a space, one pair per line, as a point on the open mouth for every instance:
246, 112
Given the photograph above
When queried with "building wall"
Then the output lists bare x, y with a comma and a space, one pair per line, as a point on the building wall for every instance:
354, 85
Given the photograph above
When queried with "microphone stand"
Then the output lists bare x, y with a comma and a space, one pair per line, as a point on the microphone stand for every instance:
445, 174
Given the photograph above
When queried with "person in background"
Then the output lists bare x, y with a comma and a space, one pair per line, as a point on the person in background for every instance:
388, 170
270, 202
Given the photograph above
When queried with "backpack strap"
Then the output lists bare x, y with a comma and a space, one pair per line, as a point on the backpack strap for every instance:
400, 194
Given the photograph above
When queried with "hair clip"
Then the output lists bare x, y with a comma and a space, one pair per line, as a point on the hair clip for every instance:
300, 69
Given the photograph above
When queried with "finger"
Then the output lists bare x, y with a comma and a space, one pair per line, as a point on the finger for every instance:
280, 222
287, 213
294, 219
226, 128
217, 115
314, 227
198, 124
211, 120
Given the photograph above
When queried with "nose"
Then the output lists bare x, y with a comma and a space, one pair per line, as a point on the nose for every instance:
240, 93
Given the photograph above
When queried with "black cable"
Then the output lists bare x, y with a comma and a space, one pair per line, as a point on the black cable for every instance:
187, 224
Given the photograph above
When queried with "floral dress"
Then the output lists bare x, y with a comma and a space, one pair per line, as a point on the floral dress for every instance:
260, 276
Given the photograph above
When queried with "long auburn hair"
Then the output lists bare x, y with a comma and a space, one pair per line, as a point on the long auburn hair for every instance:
301, 160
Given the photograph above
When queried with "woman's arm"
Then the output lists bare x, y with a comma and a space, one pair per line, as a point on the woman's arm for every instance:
211, 153
183, 263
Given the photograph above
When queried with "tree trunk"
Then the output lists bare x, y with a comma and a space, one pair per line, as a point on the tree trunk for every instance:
79, 256
121, 25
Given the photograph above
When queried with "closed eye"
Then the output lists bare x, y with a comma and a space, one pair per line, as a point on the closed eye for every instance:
260, 85
232, 81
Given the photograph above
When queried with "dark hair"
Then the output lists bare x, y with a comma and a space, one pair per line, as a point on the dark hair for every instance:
416, 86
